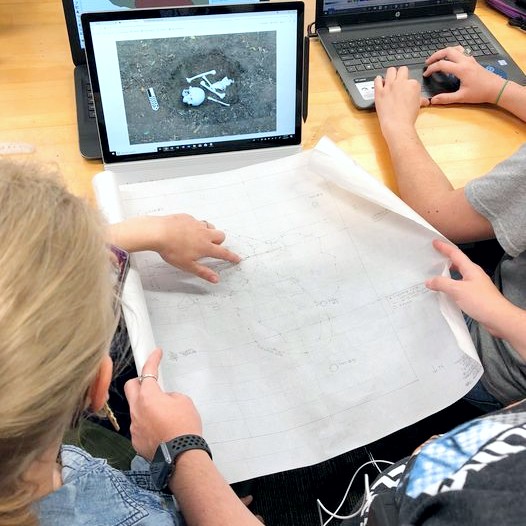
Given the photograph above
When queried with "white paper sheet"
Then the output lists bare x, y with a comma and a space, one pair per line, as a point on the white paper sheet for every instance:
324, 338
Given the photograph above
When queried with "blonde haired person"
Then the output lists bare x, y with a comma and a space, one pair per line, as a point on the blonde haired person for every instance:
57, 318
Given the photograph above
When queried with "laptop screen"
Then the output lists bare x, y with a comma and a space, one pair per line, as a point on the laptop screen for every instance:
361, 6
174, 82
73, 10
349, 11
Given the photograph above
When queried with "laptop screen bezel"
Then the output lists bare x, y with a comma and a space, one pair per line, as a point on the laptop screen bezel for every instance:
396, 14
77, 53
201, 10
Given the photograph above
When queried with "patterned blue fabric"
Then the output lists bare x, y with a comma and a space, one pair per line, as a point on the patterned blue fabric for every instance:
444, 456
95, 494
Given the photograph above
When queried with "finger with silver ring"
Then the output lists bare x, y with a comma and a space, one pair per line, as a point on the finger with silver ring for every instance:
467, 52
143, 377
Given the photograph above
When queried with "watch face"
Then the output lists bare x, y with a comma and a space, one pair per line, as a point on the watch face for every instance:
161, 467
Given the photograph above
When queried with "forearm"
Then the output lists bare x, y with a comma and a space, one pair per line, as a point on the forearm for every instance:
204, 496
426, 189
421, 183
513, 99
136, 234
156, 417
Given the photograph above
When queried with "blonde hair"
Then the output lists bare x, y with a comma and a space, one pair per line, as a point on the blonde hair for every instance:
56, 321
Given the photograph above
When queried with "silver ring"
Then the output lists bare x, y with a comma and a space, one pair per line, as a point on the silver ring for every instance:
467, 52
143, 376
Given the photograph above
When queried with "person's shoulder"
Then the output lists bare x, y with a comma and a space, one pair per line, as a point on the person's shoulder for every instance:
509, 173
77, 463
93, 489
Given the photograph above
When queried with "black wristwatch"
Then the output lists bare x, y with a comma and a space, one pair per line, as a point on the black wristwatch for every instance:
163, 463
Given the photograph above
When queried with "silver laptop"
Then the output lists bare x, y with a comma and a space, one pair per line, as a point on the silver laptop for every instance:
87, 126
363, 38
182, 91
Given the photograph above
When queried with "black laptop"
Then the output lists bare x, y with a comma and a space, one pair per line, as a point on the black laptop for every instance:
365, 37
73, 9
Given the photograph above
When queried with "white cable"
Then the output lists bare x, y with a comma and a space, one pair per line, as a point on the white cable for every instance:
334, 515
370, 455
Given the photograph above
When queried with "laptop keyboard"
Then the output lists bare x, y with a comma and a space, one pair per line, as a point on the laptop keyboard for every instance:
406, 49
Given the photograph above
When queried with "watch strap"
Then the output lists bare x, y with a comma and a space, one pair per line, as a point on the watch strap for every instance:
184, 443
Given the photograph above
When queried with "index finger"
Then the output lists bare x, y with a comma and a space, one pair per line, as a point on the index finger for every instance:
457, 257
446, 53
446, 66
217, 238
219, 252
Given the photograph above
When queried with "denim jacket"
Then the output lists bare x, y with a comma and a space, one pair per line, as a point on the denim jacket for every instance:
95, 494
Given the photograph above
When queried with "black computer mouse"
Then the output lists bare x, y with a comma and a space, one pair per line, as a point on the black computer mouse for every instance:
440, 82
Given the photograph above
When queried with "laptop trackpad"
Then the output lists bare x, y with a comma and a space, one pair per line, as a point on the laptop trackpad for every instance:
436, 83
430, 87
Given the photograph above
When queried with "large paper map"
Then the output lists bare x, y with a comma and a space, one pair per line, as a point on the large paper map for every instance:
324, 337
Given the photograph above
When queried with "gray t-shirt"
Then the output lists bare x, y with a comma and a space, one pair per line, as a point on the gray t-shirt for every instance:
500, 196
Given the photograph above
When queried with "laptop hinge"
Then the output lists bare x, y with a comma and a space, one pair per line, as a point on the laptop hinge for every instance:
334, 29
461, 16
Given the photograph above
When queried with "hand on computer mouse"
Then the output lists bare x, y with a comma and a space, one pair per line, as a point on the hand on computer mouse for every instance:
476, 83
440, 82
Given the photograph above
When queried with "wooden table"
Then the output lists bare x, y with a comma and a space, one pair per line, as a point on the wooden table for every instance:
37, 103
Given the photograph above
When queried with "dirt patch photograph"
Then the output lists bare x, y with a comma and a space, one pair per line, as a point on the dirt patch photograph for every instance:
192, 87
